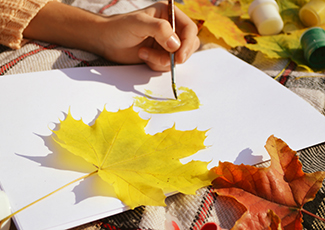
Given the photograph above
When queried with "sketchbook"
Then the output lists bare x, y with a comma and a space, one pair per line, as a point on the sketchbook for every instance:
240, 106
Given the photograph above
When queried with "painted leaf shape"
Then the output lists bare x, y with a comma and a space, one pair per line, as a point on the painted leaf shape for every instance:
141, 167
274, 195
216, 19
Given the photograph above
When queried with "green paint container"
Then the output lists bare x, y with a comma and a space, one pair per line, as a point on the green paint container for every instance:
313, 45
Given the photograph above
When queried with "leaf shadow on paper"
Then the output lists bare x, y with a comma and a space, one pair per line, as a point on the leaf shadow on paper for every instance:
61, 159
122, 77
246, 157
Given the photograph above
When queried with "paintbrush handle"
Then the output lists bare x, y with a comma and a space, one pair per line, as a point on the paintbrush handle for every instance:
171, 18
171, 13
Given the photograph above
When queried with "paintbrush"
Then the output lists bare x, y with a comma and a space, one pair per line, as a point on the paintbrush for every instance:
171, 18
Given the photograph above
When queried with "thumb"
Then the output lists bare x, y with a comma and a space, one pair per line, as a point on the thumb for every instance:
173, 43
159, 29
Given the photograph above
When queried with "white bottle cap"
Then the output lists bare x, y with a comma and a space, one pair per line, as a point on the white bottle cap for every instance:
266, 17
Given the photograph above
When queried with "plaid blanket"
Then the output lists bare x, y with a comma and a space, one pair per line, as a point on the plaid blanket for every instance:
191, 211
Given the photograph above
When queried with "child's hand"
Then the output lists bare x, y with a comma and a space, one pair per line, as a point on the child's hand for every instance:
146, 35
141, 36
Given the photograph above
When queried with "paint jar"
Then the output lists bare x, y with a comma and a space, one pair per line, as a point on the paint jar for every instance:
172, 223
4, 210
266, 17
313, 45
313, 13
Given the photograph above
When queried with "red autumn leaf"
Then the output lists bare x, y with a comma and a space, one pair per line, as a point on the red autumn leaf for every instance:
273, 196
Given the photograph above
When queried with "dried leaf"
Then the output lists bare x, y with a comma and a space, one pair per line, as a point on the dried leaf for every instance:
206, 37
281, 46
289, 11
229, 22
217, 19
286, 44
271, 195
140, 166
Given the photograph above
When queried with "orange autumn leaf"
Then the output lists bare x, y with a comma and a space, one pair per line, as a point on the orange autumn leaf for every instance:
217, 19
273, 196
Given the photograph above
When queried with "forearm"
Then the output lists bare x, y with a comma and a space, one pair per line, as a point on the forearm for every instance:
65, 25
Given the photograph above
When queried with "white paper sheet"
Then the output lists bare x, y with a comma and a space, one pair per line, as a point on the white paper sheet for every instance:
241, 106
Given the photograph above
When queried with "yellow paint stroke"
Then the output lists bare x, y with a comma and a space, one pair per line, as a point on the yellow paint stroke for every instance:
186, 100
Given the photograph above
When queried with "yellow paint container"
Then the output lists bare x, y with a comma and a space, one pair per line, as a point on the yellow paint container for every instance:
313, 13
266, 17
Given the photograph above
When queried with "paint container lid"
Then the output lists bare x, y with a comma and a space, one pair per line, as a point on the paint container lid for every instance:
172, 223
266, 17
5, 210
313, 13
210, 226
313, 45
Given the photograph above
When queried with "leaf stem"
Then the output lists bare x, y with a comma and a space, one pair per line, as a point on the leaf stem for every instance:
64, 186
313, 215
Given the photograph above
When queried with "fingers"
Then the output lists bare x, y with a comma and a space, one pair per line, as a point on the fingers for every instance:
156, 59
157, 28
151, 36
161, 31
187, 31
189, 46
185, 28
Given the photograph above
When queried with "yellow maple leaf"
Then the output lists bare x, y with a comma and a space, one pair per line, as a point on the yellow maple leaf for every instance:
229, 22
245, 5
289, 11
283, 46
206, 37
216, 19
141, 167
287, 44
